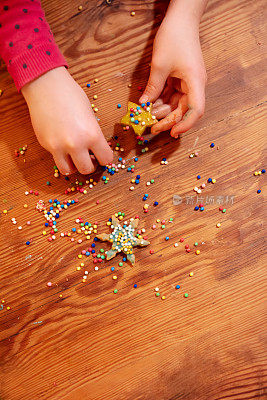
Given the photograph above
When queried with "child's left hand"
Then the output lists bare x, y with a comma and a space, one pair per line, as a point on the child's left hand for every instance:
177, 78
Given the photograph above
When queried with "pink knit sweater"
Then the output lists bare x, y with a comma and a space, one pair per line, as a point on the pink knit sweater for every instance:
26, 42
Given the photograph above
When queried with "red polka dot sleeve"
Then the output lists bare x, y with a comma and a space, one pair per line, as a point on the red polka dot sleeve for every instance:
26, 42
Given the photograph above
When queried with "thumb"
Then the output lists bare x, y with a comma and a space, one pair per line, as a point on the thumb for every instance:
155, 85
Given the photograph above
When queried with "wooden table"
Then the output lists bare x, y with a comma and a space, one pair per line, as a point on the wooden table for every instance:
78, 340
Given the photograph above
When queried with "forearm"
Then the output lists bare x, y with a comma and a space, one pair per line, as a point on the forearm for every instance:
186, 12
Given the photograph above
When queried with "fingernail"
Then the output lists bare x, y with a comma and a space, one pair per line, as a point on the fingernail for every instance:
143, 98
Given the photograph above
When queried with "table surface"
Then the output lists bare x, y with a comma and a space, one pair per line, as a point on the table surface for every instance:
79, 340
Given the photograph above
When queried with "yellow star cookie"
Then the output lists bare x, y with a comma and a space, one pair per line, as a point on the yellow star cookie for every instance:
139, 117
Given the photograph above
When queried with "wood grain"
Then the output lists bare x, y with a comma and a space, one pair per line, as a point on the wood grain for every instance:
91, 344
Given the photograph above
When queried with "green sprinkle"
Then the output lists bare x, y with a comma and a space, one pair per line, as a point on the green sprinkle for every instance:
82, 224
224, 210
162, 226
196, 244
171, 219
115, 291
101, 250
55, 230
55, 167
186, 295
123, 214
120, 264
157, 294
152, 181
103, 257
98, 256
119, 213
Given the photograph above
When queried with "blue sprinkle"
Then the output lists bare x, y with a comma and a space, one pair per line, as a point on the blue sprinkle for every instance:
136, 121
73, 229
67, 178
131, 115
263, 171
209, 180
137, 181
145, 141
88, 85
129, 169
258, 191
156, 203
198, 177
119, 105
196, 208
148, 103
87, 253
93, 251
46, 224
112, 268
104, 178
120, 158
136, 159
50, 201
116, 137
135, 286
167, 238
138, 176
124, 259
28, 242
164, 159
54, 223
138, 107
96, 239
143, 104
93, 245
212, 145
201, 208
144, 198
177, 287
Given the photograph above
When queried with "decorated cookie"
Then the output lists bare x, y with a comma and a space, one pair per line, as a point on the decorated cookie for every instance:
139, 117
123, 239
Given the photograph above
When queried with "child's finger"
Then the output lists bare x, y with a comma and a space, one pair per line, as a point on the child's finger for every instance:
82, 161
102, 150
155, 84
196, 105
172, 118
64, 163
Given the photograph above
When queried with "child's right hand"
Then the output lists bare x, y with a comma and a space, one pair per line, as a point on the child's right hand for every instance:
64, 122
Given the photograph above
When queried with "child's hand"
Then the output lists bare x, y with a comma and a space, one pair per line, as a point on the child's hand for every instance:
64, 122
177, 78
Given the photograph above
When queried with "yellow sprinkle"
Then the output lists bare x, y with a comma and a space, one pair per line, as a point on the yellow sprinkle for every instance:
79, 256
44, 232
4, 211
92, 105
213, 181
163, 297
96, 80
197, 251
132, 13
95, 96
114, 277
25, 206
82, 264
95, 109
78, 268
61, 295
191, 273
80, 8
218, 225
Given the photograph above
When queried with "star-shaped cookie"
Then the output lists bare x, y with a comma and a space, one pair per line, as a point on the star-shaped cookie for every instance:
139, 117
123, 239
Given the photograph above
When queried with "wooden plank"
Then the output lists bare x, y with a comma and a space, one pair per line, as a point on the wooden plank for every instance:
90, 343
